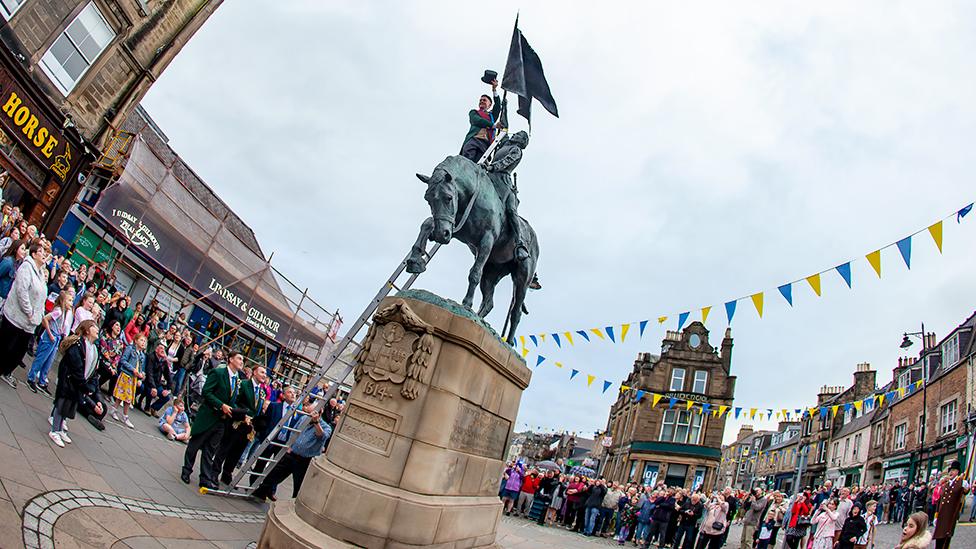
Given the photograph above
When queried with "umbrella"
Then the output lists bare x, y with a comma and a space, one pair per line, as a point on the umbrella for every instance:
585, 471
548, 465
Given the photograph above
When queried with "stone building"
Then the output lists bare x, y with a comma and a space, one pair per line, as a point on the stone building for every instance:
850, 428
681, 447
815, 437
70, 71
776, 464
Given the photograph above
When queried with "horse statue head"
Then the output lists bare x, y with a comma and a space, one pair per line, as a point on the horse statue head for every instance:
442, 196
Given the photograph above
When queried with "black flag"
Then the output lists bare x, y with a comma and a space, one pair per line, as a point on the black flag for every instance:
524, 77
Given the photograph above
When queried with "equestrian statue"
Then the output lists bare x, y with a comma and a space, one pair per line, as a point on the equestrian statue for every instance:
478, 205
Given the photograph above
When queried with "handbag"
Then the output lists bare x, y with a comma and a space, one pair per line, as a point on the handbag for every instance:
718, 525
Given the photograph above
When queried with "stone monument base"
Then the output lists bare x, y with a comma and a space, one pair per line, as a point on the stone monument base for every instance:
417, 456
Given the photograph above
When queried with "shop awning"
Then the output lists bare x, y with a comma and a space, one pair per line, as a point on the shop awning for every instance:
167, 223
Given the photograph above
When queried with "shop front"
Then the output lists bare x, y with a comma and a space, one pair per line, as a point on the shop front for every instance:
784, 481
42, 156
164, 243
850, 476
896, 468
678, 465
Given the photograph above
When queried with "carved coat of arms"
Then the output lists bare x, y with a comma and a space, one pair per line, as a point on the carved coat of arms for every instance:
397, 349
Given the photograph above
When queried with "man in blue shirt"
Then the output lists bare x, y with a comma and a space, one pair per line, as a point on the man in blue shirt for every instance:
309, 444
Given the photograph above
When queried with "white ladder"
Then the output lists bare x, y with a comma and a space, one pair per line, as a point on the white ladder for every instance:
238, 486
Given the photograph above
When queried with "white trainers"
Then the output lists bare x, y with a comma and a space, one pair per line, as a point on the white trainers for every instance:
115, 416
10, 380
64, 437
128, 423
56, 439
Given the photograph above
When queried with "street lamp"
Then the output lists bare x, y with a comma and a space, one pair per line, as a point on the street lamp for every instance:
906, 342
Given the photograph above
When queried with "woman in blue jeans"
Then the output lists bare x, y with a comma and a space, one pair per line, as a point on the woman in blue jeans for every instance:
57, 325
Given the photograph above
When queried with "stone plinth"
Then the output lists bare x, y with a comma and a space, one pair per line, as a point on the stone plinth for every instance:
417, 456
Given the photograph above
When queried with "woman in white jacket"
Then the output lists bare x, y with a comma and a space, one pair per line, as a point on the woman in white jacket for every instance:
23, 310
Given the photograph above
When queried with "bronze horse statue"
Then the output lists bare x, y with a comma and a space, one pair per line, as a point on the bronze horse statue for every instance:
465, 206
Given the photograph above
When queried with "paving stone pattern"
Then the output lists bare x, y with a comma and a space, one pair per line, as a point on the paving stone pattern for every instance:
42, 512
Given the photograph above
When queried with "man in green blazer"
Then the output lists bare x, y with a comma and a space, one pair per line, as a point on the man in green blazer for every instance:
220, 393
237, 434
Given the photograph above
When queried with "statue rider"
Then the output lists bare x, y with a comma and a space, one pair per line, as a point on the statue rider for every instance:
506, 158
483, 122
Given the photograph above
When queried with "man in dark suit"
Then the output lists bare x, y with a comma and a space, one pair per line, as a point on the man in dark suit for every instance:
251, 400
267, 421
219, 394
158, 383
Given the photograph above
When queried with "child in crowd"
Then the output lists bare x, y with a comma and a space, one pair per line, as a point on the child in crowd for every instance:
914, 535
174, 423
627, 519
870, 520
766, 530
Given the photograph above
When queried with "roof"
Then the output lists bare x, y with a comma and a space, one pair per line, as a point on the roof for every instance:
856, 424
139, 122
785, 443
966, 346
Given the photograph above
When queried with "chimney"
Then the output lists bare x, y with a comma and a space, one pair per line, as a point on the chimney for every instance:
864, 380
930, 340
727, 350
744, 431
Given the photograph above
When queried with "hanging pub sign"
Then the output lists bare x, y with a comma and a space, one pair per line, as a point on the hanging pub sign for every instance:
42, 137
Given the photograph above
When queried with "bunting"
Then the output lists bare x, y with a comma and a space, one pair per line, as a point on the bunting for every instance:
617, 333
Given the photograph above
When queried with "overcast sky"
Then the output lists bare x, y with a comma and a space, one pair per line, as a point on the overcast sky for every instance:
704, 152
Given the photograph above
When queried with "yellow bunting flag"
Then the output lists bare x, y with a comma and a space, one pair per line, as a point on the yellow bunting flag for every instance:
525, 352
901, 391
655, 398
833, 409
542, 337
752, 413
858, 404
569, 337
918, 384
589, 379
622, 387
522, 341
874, 258
598, 332
880, 400
757, 300
623, 332
812, 411
814, 281
777, 414
689, 404
559, 365
705, 311
936, 232
721, 410
785, 413
662, 319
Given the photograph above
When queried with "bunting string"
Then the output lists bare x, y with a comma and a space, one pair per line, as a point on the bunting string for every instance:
719, 409
617, 333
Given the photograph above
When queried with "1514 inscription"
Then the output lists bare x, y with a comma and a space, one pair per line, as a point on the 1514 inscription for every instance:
479, 432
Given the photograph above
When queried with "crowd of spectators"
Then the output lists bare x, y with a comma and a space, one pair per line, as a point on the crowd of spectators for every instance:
680, 518
113, 354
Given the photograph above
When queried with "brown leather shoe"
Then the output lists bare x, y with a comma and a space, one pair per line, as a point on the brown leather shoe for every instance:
534, 284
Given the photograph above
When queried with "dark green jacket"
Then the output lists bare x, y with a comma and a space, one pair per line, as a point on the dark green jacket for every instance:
216, 392
477, 122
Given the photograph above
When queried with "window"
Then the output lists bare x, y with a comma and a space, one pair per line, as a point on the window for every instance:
950, 351
701, 382
847, 447
947, 418
900, 430
834, 457
681, 426
904, 379
677, 379
825, 421
857, 446
77, 48
8, 7
878, 435
822, 451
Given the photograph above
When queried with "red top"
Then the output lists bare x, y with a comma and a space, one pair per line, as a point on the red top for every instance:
530, 484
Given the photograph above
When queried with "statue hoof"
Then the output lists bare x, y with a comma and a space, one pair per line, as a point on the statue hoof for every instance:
416, 266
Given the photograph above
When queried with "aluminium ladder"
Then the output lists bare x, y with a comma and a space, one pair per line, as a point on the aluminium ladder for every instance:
239, 486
